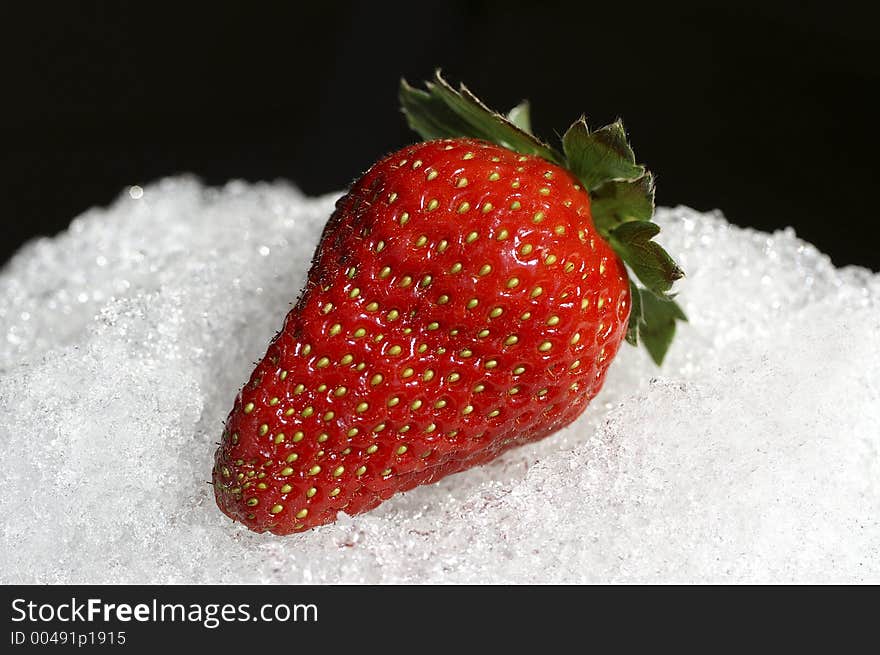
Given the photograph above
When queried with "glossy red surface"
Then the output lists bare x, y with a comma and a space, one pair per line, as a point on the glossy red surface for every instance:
471, 280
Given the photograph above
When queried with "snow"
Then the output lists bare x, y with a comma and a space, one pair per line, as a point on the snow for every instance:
753, 455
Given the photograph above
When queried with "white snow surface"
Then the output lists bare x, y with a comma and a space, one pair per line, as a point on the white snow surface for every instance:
753, 455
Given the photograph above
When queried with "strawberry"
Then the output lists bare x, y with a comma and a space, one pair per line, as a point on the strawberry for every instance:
467, 296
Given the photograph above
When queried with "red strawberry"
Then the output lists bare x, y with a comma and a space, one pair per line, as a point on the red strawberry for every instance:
461, 302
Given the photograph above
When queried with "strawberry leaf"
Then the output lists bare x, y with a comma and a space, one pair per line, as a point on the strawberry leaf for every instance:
647, 259
429, 115
442, 112
601, 156
621, 191
618, 202
521, 116
656, 328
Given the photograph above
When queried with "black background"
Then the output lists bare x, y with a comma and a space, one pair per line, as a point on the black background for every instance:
764, 110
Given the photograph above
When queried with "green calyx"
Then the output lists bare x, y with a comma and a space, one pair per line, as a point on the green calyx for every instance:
621, 191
